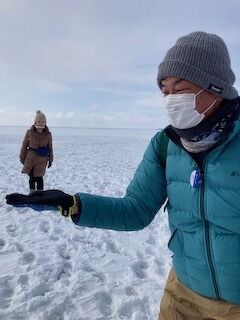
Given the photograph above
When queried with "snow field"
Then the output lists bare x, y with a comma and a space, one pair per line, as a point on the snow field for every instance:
52, 269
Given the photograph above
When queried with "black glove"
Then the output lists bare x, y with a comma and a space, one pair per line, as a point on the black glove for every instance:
49, 164
45, 200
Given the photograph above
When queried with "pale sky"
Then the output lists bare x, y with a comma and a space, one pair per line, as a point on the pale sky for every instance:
93, 63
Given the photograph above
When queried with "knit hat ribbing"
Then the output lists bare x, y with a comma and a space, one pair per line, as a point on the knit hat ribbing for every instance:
201, 58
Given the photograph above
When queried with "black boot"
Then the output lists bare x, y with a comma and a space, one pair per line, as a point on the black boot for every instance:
39, 181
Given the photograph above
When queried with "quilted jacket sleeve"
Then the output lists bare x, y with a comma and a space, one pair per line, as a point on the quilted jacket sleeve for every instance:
25, 144
50, 147
144, 197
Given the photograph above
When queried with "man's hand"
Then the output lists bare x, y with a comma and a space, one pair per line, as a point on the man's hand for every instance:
42, 200
49, 164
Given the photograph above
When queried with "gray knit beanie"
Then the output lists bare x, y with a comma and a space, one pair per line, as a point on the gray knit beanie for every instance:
203, 59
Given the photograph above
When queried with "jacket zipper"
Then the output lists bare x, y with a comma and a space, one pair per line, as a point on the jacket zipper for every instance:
205, 222
207, 238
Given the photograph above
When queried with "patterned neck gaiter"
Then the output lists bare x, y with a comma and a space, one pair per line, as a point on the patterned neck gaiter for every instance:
207, 139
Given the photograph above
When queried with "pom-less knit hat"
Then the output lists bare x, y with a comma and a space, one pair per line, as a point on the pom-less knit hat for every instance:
40, 119
203, 59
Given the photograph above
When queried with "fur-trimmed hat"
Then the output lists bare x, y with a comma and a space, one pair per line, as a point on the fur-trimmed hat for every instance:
40, 120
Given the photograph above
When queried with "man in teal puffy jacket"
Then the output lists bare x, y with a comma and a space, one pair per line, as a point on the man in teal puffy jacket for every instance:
199, 177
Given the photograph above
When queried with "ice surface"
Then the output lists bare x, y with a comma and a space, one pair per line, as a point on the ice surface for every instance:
52, 269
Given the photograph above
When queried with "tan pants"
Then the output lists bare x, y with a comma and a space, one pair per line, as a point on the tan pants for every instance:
181, 303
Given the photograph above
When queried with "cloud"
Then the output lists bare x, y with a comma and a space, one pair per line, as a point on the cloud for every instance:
135, 117
51, 87
99, 54
82, 42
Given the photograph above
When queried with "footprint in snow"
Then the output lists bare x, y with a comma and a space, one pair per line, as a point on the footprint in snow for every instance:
54, 237
139, 316
151, 240
56, 232
104, 301
87, 268
18, 247
2, 243
64, 251
139, 269
130, 291
6, 291
44, 226
159, 267
131, 308
27, 258
111, 246
12, 230
39, 290
100, 276
9, 208
23, 280
64, 271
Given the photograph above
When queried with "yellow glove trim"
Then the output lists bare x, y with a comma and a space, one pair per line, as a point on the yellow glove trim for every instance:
70, 211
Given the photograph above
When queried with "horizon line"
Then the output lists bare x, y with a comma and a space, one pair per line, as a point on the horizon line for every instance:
75, 127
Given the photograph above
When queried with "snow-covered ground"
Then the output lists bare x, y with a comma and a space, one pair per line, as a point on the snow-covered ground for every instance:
51, 269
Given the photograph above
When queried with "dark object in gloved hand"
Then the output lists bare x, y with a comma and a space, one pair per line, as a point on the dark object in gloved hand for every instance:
45, 200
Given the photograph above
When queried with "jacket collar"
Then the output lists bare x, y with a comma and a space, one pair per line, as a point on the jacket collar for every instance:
45, 130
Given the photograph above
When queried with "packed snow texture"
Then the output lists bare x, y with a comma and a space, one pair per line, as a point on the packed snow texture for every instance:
51, 269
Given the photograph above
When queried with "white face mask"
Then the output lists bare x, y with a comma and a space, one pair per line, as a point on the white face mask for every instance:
181, 110
39, 129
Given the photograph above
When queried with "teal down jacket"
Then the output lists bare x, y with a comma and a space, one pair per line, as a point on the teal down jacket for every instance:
204, 221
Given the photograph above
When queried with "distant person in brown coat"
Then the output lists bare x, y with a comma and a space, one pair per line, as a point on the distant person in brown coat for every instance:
36, 152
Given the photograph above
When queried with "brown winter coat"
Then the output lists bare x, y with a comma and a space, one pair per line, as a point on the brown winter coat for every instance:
29, 158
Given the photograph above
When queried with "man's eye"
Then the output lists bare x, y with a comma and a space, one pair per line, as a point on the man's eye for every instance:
179, 90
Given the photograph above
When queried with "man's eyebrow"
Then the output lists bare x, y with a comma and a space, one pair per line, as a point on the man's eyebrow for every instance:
178, 81
174, 83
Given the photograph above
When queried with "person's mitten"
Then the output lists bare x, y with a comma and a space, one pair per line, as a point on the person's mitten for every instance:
45, 200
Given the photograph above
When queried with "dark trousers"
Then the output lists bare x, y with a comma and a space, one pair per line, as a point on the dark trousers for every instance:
35, 181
